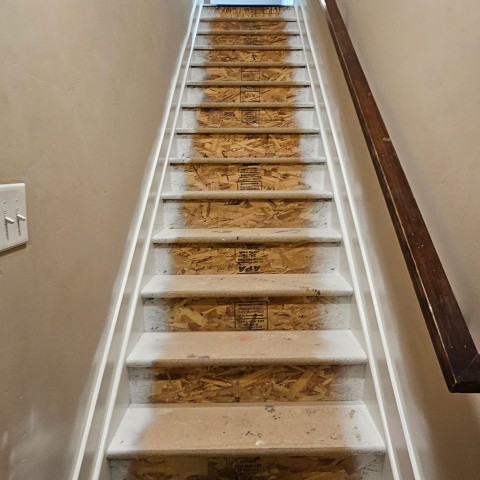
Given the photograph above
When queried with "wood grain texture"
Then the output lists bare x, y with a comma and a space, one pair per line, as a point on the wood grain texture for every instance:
453, 343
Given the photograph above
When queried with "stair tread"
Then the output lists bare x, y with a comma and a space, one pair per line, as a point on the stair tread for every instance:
247, 235
248, 19
247, 105
249, 160
249, 32
248, 47
248, 285
247, 348
241, 429
236, 64
248, 195
248, 83
247, 131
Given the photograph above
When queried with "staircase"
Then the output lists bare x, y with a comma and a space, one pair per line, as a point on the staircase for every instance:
248, 368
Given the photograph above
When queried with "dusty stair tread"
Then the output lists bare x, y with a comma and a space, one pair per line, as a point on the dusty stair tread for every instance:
248, 47
248, 19
248, 83
237, 64
251, 285
247, 235
247, 131
247, 105
258, 32
248, 160
240, 429
247, 195
327, 347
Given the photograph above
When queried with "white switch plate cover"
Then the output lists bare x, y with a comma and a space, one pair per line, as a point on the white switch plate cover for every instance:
13, 206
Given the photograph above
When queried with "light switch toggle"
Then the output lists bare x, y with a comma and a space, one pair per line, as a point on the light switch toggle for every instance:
21, 218
8, 220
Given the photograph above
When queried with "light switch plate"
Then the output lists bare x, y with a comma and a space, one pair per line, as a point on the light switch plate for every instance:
13, 216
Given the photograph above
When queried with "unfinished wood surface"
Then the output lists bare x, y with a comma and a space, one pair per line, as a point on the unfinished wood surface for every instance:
251, 73
206, 177
248, 12
249, 39
247, 213
196, 259
364, 467
248, 55
233, 24
225, 384
218, 314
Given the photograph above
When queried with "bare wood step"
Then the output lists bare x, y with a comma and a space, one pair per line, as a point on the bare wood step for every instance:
248, 160
249, 195
247, 83
249, 19
247, 235
248, 64
215, 429
247, 105
249, 47
249, 32
261, 285
247, 131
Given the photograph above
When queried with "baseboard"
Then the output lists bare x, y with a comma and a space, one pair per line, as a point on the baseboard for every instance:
104, 404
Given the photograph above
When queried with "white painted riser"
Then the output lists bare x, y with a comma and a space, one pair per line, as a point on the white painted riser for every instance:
304, 118
290, 56
311, 145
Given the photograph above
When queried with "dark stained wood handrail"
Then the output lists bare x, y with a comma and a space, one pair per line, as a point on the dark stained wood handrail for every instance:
453, 343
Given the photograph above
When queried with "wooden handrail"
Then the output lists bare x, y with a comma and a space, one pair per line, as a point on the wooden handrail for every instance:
453, 343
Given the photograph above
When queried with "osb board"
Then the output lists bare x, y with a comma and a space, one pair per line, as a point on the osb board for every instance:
362, 467
254, 25
249, 39
222, 314
229, 384
255, 94
250, 74
204, 177
231, 146
246, 213
245, 259
258, 117
248, 12
247, 55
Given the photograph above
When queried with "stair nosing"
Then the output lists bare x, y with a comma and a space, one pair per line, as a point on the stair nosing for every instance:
260, 347
315, 285
248, 47
248, 64
244, 235
248, 83
250, 19
248, 105
247, 195
258, 32
247, 131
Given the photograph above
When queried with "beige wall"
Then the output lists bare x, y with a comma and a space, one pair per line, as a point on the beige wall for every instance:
421, 59
82, 93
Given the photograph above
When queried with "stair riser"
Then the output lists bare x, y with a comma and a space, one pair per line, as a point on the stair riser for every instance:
245, 259
352, 467
248, 39
250, 55
246, 213
245, 94
248, 74
248, 12
247, 145
247, 383
226, 314
246, 177
252, 25
258, 117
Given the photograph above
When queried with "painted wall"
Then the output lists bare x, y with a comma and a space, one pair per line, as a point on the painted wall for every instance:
421, 59
82, 93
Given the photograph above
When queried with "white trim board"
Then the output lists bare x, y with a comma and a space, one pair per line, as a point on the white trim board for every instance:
104, 404
390, 413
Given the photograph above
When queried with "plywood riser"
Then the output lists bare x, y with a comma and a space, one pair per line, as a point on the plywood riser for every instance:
247, 145
245, 118
247, 213
249, 12
230, 314
250, 74
247, 383
248, 39
198, 259
205, 25
250, 55
206, 177
243, 94
348, 467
